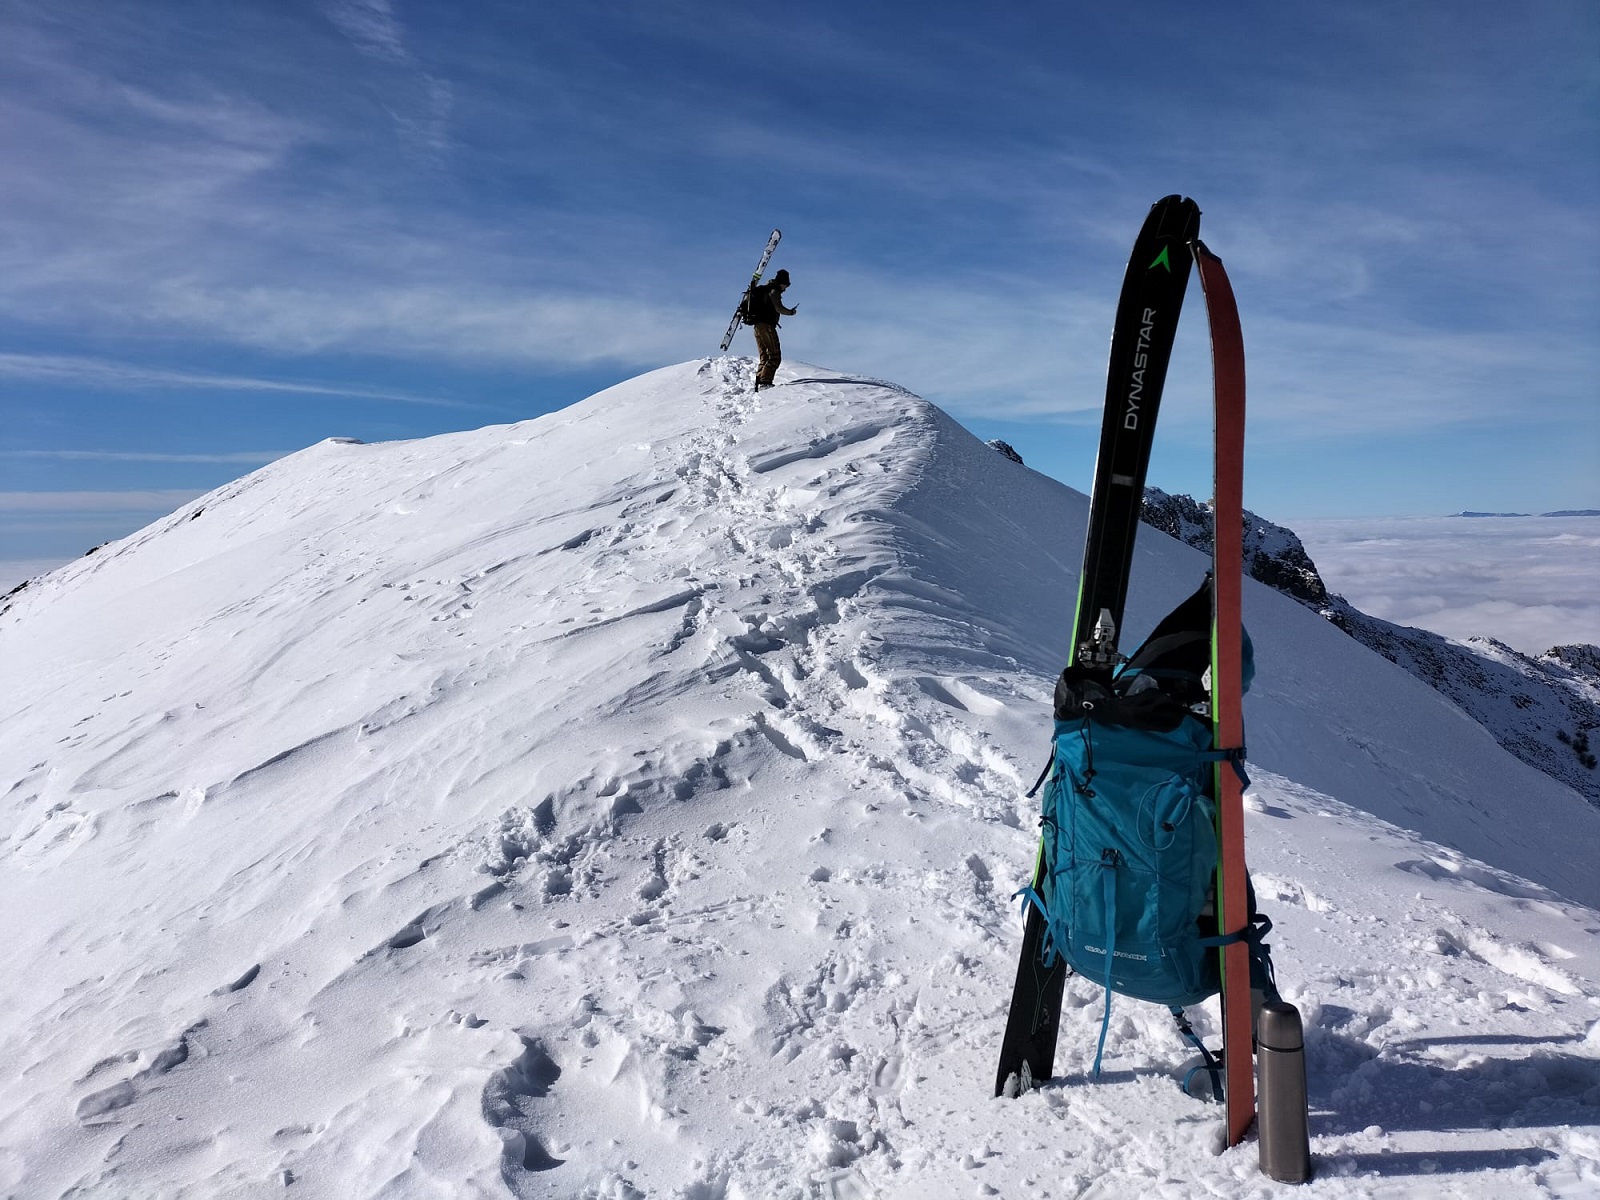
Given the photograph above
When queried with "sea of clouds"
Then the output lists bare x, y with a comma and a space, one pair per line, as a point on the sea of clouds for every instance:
1531, 582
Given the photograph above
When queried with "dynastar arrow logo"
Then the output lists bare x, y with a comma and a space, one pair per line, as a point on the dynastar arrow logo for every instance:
1161, 261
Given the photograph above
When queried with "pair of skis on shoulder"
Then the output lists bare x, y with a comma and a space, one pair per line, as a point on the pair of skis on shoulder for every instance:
738, 312
1141, 347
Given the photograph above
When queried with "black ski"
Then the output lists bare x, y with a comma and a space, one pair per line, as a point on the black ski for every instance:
1141, 346
738, 313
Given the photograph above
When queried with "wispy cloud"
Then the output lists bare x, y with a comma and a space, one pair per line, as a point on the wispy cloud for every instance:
422, 112
209, 232
548, 190
1317, 378
255, 457
372, 26
447, 322
104, 373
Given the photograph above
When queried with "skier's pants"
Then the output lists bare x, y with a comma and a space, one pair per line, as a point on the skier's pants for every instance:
771, 353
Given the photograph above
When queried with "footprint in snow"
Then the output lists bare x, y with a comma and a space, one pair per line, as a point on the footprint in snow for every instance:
509, 1104
239, 984
108, 1100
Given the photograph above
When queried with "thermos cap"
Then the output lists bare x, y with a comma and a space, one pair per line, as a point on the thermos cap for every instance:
1278, 1027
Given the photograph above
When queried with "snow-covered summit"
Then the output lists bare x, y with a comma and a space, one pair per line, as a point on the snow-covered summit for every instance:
626, 802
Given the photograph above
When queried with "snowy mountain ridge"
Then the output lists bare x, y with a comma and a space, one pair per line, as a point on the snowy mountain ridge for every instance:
627, 803
1543, 709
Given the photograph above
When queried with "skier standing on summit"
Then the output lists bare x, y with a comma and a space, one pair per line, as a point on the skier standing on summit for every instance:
766, 304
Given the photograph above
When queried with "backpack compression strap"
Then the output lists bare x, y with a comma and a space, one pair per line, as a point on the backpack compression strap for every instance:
1211, 1064
1109, 861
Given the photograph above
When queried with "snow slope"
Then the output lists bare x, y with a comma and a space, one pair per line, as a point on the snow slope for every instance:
626, 803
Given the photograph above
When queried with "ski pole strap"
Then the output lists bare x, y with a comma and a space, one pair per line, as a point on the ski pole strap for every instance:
1253, 931
1047, 944
1209, 1062
1031, 896
1262, 975
1234, 756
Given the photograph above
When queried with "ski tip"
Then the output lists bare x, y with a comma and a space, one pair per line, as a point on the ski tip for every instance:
1176, 200
1174, 217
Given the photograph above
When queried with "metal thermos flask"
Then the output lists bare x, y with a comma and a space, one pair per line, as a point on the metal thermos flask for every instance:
1284, 1126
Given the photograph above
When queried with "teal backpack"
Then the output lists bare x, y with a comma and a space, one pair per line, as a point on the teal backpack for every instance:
1128, 897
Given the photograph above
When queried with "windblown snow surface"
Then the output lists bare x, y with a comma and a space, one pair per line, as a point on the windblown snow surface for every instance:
628, 803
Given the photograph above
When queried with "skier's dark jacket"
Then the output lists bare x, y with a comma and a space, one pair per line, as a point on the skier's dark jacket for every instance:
764, 304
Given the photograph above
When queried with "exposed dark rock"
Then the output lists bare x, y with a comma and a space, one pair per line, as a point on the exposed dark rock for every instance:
1007, 449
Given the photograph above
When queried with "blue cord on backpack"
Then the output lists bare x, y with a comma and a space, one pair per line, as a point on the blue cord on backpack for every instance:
1109, 860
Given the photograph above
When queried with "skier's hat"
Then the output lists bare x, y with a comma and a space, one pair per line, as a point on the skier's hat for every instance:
781, 277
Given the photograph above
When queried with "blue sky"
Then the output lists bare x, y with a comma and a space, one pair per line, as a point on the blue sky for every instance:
233, 229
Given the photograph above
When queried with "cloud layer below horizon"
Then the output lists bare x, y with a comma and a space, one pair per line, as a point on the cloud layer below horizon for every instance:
1531, 582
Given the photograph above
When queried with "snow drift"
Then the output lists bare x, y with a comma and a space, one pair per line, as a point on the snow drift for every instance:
627, 802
